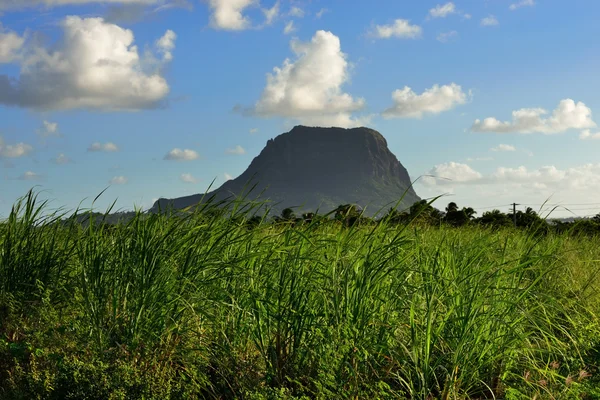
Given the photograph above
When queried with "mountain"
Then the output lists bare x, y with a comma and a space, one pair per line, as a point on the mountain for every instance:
319, 168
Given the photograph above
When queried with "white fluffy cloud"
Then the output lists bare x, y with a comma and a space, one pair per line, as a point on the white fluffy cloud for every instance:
587, 134
188, 178
451, 172
14, 150
118, 180
10, 45
228, 14
181, 155
490, 20
446, 36
95, 66
442, 11
522, 3
568, 115
289, 28
238, 150
530, 187
401, 28
108, 147
504, 147
408, 104
253, 130
227, 176
166, 44
578, 178
309, 87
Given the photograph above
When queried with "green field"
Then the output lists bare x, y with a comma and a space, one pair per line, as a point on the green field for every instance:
207, 305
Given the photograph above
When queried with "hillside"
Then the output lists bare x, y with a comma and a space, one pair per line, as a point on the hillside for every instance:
319, 168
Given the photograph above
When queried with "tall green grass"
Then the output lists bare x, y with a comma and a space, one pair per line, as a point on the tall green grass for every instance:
207, 304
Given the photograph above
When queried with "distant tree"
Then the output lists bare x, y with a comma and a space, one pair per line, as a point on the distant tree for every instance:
451, 207
288, 214
423, 212
470, 212
528, 218
456, 217
495, 218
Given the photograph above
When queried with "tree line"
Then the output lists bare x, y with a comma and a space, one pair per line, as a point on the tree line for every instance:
424, 213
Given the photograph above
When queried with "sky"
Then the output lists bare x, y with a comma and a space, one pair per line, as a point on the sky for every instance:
485, 102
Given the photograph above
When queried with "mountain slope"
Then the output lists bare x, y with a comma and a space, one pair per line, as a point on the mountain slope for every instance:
320, 168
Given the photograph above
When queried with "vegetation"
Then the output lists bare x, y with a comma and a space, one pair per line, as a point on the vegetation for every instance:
224, 303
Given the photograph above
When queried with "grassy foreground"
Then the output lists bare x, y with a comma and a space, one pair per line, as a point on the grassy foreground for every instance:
209, 306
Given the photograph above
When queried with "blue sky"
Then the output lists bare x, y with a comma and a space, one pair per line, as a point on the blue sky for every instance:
156, 98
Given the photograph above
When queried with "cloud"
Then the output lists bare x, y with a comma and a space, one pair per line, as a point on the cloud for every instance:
10, 46
504, 147
22, 4
118, 180
446, 36
568, 115
254, 130
238, 150
309, 87
271, 13
14, 150
296, 12
61, 159
95, 66
188, 178
451, 172
227, 176
289, 28
228, 14
401, 28
48, 129
544, 174
490, 20
321, 12
108, 147
30, 176
587, 134
522, 3
181, 155
442, 11
408, 104
166, 44
578, 178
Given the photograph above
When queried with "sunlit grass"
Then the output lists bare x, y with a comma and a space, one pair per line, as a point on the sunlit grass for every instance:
206, 304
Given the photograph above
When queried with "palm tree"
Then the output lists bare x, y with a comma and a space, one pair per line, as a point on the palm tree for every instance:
452, 207
469, 212
288, 214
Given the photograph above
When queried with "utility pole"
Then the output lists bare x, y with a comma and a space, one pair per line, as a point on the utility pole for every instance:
515, 213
